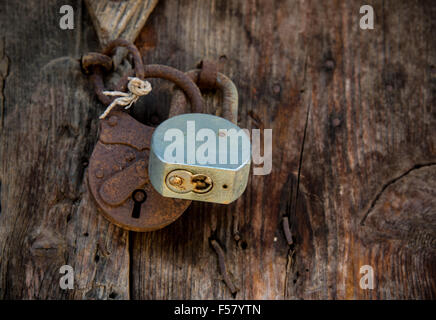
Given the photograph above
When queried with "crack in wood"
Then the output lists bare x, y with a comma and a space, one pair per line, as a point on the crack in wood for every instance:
130, 241
301, 157
4, 73
288, 234
289, 265
389, 183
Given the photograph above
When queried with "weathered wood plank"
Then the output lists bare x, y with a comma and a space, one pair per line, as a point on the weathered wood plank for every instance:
350, 110
353, 119
371, 121
50, 125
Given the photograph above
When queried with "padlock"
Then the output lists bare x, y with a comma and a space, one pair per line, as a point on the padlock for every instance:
118, 177
177, 167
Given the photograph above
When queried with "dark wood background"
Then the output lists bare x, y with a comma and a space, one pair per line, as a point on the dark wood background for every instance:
354, 155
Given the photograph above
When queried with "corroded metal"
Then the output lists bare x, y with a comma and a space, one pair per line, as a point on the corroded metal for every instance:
222, 82
96, 64
118, 168
92, 59
207, 77
118, 174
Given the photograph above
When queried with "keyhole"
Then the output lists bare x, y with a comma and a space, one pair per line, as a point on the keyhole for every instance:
138, 196
201, 183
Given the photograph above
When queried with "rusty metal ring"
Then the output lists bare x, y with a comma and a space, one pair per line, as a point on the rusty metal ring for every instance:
137, 60
92, 59
181, 79
101, 62
97, 63
223, 83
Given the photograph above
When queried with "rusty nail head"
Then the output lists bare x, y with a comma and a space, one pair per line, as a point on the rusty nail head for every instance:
99, 173
277, 88
139, 195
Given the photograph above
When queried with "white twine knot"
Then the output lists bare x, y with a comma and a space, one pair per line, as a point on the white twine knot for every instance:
137, 88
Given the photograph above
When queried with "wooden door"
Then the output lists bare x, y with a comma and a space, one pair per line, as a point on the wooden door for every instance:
353, 122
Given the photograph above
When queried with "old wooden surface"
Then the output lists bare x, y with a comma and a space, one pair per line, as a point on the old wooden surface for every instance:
354, 158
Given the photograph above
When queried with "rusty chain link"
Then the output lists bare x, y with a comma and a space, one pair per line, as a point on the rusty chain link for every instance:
96, 64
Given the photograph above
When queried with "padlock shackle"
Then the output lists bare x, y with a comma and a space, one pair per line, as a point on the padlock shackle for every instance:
223, 83
181, 79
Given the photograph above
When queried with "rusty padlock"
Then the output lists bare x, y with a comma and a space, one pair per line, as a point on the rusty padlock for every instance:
216, 179
118, 176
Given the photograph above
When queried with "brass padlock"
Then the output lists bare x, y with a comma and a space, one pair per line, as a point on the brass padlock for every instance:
177, 167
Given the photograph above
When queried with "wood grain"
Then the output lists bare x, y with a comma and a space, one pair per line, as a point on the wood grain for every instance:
351, 110
50, 125
354, 157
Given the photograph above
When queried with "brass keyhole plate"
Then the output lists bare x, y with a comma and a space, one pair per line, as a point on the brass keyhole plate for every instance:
183, 181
